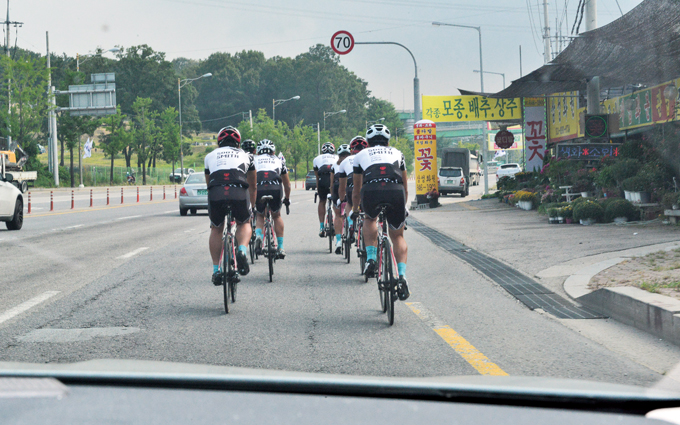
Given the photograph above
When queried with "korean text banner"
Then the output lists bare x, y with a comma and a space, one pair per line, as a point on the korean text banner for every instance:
425, 145
534, 132
564, 116
645, 107
470, 108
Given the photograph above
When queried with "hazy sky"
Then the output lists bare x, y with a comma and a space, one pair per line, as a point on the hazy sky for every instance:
446, 56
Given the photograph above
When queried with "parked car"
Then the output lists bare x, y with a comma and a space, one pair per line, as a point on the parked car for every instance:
176, 176
452, 180
11, 202
193, 195
310, 181
508, 170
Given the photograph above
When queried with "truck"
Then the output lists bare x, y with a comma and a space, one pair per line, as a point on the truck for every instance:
14, 158
465, 159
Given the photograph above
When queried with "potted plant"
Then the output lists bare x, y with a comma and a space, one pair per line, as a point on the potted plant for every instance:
552, 216
568, 214
433, 197
525, 200
585, 187
636, 189
620, 211
588, 212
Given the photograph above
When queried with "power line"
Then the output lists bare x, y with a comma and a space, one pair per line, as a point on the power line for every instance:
531, 24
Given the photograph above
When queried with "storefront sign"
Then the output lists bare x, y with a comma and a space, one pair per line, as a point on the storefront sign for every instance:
504, 139
470, 108
425, 144
534, 132
518, 142
653, 105
588, 150
564, 116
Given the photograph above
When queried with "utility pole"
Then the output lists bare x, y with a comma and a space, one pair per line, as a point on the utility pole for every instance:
547, 56
7, 24
49, 119
593, 88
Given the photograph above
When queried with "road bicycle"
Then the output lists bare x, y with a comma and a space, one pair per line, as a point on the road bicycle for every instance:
270, 248
360, 243
253, 237
230, 276
387, 264
328, 225
346, 234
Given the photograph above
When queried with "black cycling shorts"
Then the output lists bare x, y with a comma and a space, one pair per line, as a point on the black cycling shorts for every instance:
269, 190
221, 197
349, 191
335, 194
323, 192
374, 194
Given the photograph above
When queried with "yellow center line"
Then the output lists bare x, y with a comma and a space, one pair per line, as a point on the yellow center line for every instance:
135, 204
466, 350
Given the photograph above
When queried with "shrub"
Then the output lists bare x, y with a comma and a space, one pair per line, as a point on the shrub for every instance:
620, 208
552, 212
638, 183
588, 209
506, 183
566, 212
613, 175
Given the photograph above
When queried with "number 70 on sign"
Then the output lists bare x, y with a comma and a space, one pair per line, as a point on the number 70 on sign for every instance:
342, 42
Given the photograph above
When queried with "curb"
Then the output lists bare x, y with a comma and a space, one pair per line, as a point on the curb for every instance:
656, 314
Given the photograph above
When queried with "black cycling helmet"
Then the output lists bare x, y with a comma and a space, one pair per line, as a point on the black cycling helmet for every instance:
248, 146
229, 136
378, 134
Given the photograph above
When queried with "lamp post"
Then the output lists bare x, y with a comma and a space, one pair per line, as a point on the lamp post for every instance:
481, 86
180, 84
373, 122
275, 103
330, 114
90, 56
496, 73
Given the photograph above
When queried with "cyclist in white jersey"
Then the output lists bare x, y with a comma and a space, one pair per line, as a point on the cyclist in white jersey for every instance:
232, 182
380, 178
322, 169
343, 153
346, 176
272, 177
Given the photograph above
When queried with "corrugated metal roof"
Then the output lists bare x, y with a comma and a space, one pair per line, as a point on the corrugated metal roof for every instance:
641, 47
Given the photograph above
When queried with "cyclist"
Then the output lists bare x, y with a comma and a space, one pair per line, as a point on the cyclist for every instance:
380, 177
248, 146
272, 174
232, 182
346, 173
343, 153
322, 169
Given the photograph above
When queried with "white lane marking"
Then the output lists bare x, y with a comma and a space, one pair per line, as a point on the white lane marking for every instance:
74, 227
170, 212
13, 312
126, 218
132, 253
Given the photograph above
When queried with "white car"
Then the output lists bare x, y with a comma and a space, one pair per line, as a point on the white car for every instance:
452, 180
508, 170
11, 203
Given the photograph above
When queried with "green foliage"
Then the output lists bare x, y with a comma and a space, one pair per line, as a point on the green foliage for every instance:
117, 138
620, 208
506, 183
588, 210
613, 175
145, 131
566, 211
638, 183
552, 212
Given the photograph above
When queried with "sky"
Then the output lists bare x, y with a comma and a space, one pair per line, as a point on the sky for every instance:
446, 56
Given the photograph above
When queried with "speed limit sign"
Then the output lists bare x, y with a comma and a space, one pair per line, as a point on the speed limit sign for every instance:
342, 42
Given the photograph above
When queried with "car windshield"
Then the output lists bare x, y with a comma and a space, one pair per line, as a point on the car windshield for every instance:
456, 172
196, 178
563, 262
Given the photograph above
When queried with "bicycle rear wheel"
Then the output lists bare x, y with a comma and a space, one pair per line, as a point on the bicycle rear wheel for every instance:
389, 279
226, 259
271, 253
382, 284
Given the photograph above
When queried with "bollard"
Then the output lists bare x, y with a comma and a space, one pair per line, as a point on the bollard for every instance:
164, 193
72, 200
121, 195
107, 196
151, 193
29, 202
137, 193
51, 202
90, 197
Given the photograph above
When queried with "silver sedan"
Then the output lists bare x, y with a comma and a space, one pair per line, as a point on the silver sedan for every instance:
193, 195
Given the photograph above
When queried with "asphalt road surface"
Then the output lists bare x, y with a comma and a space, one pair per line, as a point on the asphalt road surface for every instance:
132, 281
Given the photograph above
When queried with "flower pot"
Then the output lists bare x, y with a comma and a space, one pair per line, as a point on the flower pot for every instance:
586, 194
568, 220
620, 220
587, 221
560, 220
525, 205
552, 220
638, 197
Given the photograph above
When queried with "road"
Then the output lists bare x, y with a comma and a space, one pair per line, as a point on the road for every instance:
132, 281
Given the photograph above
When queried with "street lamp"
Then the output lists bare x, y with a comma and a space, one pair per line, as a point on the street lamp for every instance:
330, 114
481, 85
373, 122
180, 84
90, 56
496, 73
275, 103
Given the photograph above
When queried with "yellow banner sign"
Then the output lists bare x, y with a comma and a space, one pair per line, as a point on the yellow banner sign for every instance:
563, 116
470, 108
425, 145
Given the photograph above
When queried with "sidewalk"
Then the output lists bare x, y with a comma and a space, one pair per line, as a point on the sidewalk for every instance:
557, 253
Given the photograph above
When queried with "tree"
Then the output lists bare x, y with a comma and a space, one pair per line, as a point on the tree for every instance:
70, 129
169, 135
29, 102
118, 136
145, 131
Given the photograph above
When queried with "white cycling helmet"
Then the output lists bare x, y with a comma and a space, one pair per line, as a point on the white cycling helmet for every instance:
328, 147
265, 146
344, 150
378, 134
